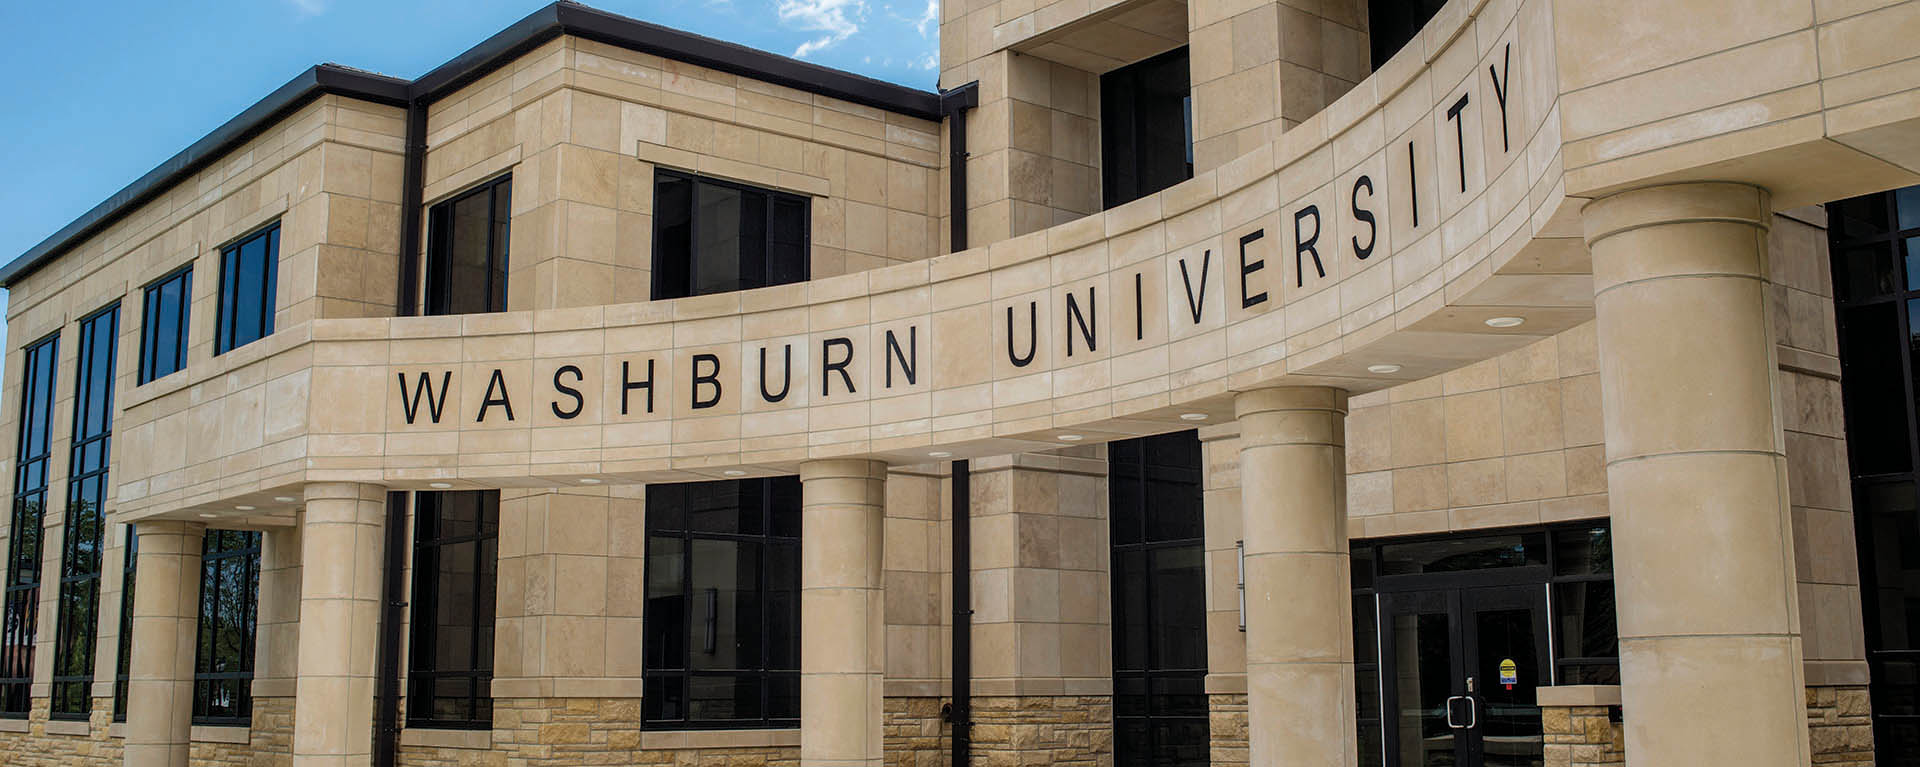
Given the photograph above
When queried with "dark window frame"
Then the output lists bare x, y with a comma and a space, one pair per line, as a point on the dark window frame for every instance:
123, 661
81, 561
423, 661
667, 502
1126, 128
221, 547
154, 366
660, 287
227, 326
438, 288
35, 450
1138, 486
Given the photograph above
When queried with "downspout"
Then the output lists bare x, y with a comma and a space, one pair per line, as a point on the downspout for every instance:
386, 710
959, 712
393, 597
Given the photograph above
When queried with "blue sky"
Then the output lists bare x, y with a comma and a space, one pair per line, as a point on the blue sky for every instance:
99, 93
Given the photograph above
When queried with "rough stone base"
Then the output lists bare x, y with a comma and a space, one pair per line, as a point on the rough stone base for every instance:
915, 733
270, 742
1582, 736
1017, 731
1227, 728
1840, 726
551, 732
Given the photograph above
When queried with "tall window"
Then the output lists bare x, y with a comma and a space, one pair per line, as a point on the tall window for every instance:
1875, 250
712, 236
123, 671
229, 604
1146, 128
455, 568
467, 251
163, 327
247, 273
73, 646
23, 546
1159, 601
722, 635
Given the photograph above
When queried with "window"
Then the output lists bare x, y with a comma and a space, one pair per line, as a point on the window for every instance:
467, 251
123, 671
223, 655
23, 546
722, 635
1391, 24
163, 328
711, 236
1146, 128
79, 612
247, 270
1585, 636
1159, 601
455, 568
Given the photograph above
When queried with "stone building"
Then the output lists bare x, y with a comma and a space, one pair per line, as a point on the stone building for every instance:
1402, 382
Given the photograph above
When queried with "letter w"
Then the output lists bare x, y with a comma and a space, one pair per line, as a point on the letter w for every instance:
410, 402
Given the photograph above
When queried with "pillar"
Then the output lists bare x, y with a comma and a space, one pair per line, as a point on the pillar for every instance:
842, 617
165, 613
1293, 488
340, 550
1710, 654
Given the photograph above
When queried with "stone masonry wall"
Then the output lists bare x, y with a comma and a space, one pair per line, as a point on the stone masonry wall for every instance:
1583, 736
270, 743
1227, 726
915, 735
1840, 726
1032, 730
550, 732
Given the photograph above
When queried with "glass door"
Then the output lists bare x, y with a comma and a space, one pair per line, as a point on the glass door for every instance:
1504, 630
1423, 666
1462, 667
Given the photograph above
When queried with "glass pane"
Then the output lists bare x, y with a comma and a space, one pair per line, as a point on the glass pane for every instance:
1863, 272
664, 698
250, 283
1889, 543
783, 606
672, 236
716, 239
1179, 608
787, 241
1587, 551
1876, 389
783, 696
1458, 554
1913, 261
753, 240
1421, 648
450, 697
1130, 616
1864, 216
1509, 670
454, 600
720, 698
1907, 202
726, 630
1584, 620
666, 609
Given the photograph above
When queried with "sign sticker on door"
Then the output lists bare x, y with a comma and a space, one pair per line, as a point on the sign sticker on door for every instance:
1509, 673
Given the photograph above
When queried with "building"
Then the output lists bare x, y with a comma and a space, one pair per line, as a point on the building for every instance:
1483, 382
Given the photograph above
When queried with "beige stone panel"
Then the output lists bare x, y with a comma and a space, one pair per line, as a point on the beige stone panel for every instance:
165, 608
1763, 673
843, 623
339, 606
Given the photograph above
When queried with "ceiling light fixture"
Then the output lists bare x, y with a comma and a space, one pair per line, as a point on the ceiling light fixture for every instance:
1383, 369
589, 481
1506, 322
939, 454
439, 485
1193, 416
208, 516
243, 508
1071, 438
285, 498
734, 473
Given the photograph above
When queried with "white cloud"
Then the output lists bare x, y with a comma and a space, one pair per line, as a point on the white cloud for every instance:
927, 62
310, 8
837, 20
931, 18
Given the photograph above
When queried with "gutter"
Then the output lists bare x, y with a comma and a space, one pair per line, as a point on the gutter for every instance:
959, 711
393, 601
955, 104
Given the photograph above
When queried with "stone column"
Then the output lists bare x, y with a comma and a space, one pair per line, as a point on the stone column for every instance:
842, 616
1710, 654
340, 553
165, 611
1293, 488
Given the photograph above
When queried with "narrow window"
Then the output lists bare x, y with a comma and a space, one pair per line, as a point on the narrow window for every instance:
23, 546
1159, 600
79, 612
467, 251
722, 635
1146, 139
123, 671
247, 272
1391, 24
455, 568
712, 236
223, 655
163, 328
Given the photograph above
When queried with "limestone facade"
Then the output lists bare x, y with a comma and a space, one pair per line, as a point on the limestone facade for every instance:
1517, 159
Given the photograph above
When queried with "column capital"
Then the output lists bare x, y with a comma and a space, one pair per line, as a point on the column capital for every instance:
843, 468
1695, 202
1280, 399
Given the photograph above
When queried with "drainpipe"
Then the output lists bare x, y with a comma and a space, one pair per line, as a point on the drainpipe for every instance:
956, 104
413, 172
959, 712
386, 708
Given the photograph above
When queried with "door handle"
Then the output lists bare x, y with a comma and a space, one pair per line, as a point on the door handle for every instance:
1451, 722
1473, 711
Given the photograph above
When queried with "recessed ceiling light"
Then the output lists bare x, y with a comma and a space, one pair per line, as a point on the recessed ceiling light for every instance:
1071, 438
285, 498
589, 481
1193, 416
939, 454
439, 485
734, 473
243, 508
1383, 369
208, 516
1505, 322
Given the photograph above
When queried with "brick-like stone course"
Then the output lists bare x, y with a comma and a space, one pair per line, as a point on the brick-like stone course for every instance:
1582, 736
270, 743
915, 735
1026, 731
1840, 725
1227, 726
551, 732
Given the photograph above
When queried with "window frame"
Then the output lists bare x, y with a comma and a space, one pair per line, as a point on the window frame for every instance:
82, 562
652, 676
225, 321
123, 660
437, 297
1122, 182
656, 280
207, 627
22, 571
422, 655
149, 325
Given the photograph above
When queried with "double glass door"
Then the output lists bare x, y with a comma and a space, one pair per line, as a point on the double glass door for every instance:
1460, 668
